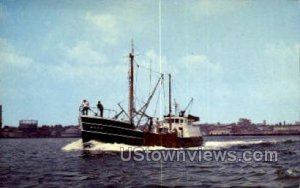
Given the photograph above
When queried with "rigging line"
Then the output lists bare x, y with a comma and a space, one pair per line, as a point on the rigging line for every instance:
176, 89
144, 67
138, 91
136, 86
156, 104
144, 108
150, 76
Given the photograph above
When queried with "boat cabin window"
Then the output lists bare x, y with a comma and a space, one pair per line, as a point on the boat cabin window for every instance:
178, 120
169, 120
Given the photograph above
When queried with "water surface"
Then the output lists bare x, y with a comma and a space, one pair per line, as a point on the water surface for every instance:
65, 162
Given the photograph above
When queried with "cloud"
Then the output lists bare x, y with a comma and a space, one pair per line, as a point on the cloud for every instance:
199, 66
80, 61
10, 58
193, 63
193, 74
107, 24
83, 62
83, 53
156, 60
201, 62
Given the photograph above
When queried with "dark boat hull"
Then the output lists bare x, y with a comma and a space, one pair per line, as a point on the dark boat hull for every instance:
114, 131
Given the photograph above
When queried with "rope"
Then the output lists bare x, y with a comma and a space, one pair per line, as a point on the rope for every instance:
147, 68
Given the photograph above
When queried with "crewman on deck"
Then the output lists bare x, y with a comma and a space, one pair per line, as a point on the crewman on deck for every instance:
156, 126
150, 124
85, 107
100, 108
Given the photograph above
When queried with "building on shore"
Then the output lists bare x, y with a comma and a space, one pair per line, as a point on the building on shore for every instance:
71, 132
246, 127
221, 130
30, 129
28, 125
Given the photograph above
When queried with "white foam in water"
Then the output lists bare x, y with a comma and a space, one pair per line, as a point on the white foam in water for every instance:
76, 145
95, 145
227, 144
100, 146
230, 143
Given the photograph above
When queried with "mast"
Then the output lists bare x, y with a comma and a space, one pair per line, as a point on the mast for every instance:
131, 74
170, 103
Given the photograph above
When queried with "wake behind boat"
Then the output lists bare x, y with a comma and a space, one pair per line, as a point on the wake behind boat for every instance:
173, 131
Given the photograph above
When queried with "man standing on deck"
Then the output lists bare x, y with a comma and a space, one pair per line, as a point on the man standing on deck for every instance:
85, 107
156, 126
100, 108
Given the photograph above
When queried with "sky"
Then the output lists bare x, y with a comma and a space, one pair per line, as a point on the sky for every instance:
235, 58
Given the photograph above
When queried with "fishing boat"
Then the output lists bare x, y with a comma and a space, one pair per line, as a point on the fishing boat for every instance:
172, 131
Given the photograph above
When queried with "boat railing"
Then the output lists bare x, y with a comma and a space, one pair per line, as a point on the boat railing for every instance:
94, 112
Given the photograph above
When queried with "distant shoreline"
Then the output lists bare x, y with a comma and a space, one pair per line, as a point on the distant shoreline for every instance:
290, 134
37, 137
274, 134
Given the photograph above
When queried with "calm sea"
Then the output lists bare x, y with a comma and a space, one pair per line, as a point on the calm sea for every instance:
66, 163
